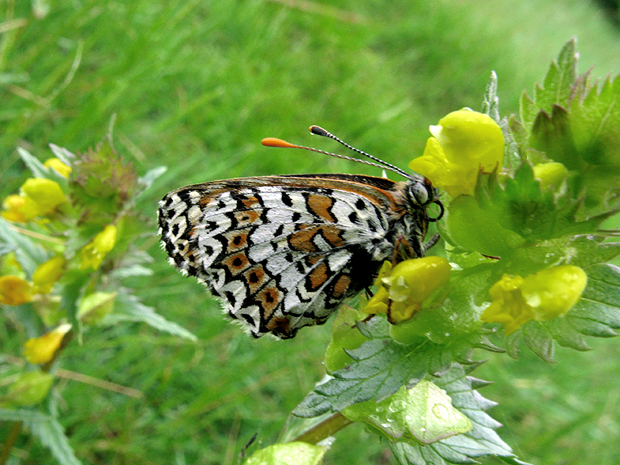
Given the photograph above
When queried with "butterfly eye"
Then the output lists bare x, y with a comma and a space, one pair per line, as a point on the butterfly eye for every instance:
419, 193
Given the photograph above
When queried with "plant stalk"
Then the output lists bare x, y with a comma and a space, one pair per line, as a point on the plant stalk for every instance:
323, 430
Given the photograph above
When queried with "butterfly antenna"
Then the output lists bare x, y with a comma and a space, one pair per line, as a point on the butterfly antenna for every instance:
274, 142
319, 131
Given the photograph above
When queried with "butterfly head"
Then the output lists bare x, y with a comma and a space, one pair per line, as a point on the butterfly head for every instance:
421, 193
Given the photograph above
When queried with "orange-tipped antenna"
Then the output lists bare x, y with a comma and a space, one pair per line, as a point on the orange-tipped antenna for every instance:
275, 142
319, 131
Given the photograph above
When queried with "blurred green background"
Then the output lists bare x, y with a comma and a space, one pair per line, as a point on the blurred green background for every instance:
195, 85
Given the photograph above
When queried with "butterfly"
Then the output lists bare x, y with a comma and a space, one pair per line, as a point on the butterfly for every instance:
283, 252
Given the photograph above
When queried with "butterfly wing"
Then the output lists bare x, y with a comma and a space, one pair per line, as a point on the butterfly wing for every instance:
281, 251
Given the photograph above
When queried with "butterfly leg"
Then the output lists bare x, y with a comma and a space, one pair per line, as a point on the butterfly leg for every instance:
402, 251
431, 242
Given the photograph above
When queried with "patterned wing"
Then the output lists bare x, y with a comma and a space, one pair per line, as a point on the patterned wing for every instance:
282, 252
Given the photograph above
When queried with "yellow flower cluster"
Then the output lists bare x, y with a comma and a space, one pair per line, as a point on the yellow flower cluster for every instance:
540, 296
403, 289
38, 197
464, 143
16, 291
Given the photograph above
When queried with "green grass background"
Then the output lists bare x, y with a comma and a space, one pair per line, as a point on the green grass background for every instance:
195, 85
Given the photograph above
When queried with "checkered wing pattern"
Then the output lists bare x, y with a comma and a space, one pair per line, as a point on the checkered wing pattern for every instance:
282, 252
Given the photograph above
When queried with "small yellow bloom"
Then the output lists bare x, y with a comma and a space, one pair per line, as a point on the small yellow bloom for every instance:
403, 289
540, 296
14, 290
15, 209
464, 143
42, 349
92, 254
550, 174
58, 166
47, 194
47, 274
39, 196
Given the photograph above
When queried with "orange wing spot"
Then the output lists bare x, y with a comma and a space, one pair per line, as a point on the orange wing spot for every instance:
318, 277
250, 201
341, 286
302, 240
280, 325
246, 218
236, 263
268, 299
237, 240
206, 200
320, 205
255, 277
314, 259
332, 235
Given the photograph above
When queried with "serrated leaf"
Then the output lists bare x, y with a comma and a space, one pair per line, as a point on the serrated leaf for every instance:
423, 413
52, 435
557, 85
379, 368
129, 308
528, 110
481, 441
552, 134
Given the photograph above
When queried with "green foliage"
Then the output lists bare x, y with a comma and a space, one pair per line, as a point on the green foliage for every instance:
530, 220
69, 264
189, 97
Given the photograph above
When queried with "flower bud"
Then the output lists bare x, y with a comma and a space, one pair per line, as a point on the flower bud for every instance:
14, 290
42, 349
465, 143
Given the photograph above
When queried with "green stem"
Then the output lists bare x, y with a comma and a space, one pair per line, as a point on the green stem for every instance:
10, 441
323, 430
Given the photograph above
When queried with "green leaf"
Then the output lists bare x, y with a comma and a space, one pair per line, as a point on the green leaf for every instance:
150, 177
490, 102
345, 336
557, 85
290, 453
381, 366
423, 413
51, 434
39, 170
62, 154
22, 415
129, 308
28, 253
464, 448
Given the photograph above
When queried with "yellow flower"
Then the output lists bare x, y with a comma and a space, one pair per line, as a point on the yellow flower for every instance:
47, 194
42, 349
47, 274
551, 174
463, 144
14, 290
39, 196
92, 254
15, 209
540, 296
402, 290
58, 166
